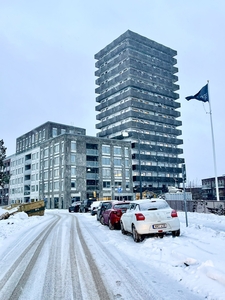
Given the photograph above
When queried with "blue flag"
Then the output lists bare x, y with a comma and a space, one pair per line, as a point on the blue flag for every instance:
202, 95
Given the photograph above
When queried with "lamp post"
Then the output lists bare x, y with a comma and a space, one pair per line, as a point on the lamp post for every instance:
139, 162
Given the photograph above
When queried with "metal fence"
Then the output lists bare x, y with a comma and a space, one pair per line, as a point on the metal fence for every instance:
200, 206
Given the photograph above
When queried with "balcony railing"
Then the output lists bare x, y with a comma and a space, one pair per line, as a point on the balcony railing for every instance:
92, 152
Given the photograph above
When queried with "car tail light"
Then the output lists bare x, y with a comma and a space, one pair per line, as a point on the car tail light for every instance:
174, 213
117, 212
140, 217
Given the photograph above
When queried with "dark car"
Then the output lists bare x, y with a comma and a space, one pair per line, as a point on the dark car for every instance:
113, 212
101, 208
85, 205
75, 207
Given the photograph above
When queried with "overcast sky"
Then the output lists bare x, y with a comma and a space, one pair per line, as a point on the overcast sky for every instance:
47, 65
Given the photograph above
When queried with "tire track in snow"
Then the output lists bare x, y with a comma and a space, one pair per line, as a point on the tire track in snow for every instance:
13, 282
88, 271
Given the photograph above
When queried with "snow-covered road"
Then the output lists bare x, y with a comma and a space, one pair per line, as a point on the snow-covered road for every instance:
72, 256
50, 261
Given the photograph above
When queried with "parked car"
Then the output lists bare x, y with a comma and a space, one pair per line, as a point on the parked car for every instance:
74, 207
94, 207
101, 208
113, 212
149, 216
85, 205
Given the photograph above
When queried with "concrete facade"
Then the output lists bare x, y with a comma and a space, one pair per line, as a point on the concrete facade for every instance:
137, 97
67, 166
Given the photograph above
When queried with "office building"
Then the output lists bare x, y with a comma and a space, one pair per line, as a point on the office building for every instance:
137, 101
209, 188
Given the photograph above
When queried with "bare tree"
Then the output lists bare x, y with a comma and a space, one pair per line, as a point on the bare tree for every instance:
4, 178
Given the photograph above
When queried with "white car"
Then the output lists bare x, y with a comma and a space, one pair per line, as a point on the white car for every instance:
94, 207
149, 216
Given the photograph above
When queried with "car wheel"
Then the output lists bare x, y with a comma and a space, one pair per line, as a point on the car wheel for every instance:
122, 229
136, 236
111, 226
102, 220
176, 233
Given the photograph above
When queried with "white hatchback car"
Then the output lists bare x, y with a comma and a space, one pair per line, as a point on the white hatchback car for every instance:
150, 216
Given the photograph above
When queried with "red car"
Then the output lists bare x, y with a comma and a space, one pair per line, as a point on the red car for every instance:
113, 212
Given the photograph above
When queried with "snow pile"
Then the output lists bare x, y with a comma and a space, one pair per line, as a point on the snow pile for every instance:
15, 223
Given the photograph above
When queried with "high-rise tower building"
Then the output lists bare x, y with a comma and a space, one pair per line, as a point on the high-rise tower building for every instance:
137, 101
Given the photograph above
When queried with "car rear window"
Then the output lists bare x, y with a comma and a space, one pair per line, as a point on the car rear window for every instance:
153, 205
122, 205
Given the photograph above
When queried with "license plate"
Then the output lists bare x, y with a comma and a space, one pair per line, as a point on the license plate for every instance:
159, 226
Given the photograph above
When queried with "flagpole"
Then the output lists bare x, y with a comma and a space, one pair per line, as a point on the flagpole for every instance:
214, 152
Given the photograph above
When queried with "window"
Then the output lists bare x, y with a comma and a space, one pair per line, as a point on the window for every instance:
73, 171
106, 161
63, 131
73, 146
73, 158
54, 132
46, 164
126, 162
56, 160
46, 152
105, 149
118, 173
56, 185
72, 184
127, 184
106, 184
117, 162
106, 172
117, 150
56, 148
46, 175
127, 173
56, 172
126, 152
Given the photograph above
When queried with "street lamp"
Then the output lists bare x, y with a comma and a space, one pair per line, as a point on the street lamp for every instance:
139, 161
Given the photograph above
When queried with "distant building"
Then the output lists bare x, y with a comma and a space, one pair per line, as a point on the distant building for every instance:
209, 188
137, 101
60, 164
4, 191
